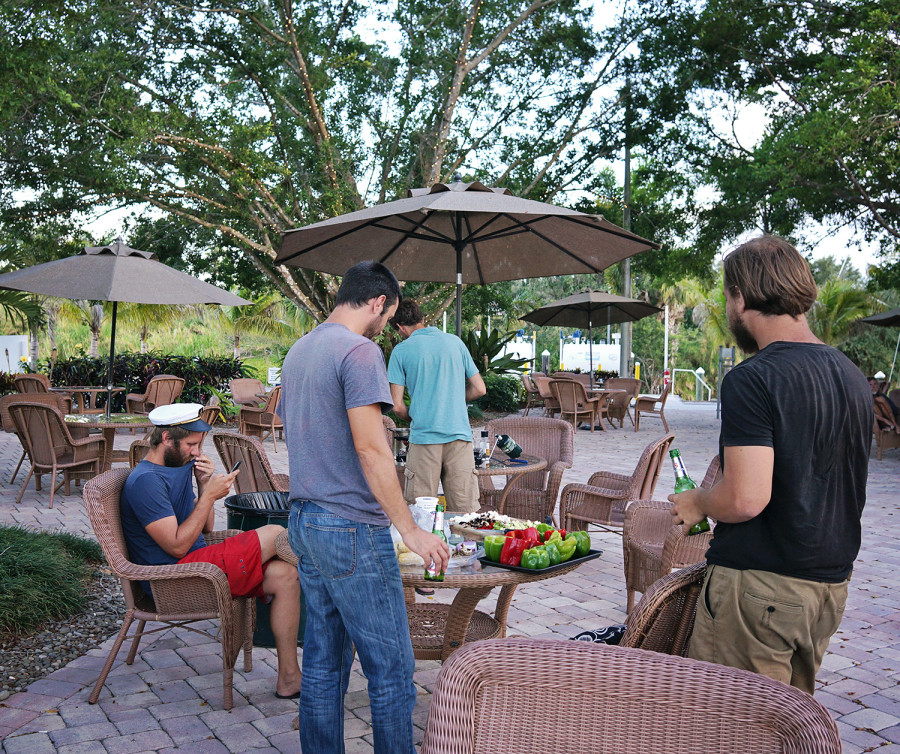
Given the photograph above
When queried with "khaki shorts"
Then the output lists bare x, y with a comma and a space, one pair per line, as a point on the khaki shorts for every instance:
774, 625
453, 465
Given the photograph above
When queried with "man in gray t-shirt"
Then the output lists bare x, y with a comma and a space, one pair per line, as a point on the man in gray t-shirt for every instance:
344, 493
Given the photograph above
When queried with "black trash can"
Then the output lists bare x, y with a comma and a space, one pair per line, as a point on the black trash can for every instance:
250, 510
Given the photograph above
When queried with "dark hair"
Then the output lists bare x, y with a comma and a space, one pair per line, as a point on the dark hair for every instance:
176, 434
408, 313
771, 276
365, 281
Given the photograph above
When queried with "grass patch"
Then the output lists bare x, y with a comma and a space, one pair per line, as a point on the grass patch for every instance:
42, 576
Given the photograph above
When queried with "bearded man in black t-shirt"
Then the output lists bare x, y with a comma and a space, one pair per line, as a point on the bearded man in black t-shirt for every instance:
794, 444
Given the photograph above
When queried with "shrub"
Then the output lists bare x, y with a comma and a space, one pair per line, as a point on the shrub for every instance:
42, 576
133, 371
7, 383
503, 394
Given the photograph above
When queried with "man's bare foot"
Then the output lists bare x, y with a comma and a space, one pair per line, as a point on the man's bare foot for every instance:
289, 687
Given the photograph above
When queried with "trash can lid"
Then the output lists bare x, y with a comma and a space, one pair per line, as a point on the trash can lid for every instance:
254, 502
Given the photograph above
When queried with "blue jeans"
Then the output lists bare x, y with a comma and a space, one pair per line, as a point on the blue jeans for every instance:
354, 597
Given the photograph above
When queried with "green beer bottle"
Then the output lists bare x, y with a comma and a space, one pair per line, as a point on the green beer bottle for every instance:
682, 483
431, 572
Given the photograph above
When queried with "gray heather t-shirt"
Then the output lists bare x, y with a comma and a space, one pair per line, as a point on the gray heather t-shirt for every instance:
325, 373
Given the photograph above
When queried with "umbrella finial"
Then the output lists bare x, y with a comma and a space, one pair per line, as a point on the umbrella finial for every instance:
457, 177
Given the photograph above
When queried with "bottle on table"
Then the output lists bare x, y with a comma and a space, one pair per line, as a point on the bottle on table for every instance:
682, 483
508, 446
431, 572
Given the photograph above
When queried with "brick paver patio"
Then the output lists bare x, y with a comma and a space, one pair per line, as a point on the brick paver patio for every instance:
171, 696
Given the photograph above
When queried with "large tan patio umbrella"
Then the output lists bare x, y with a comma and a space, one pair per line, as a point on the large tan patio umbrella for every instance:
116, 273
463, 233
590, 308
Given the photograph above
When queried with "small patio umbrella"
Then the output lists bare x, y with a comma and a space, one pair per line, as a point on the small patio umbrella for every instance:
463, 233
590, 308
116, 273
887, 319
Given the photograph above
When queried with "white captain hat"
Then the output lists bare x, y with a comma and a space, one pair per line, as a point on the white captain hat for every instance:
184, 415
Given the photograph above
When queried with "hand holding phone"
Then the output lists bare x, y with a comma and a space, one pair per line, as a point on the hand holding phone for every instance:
236, 465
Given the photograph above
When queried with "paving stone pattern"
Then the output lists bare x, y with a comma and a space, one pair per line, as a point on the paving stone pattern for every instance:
171, 697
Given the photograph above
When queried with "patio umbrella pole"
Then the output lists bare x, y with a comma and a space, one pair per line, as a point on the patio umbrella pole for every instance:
895, 359
112, 355
458, 245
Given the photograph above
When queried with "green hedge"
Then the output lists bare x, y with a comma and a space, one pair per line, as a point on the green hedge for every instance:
134, 370
7, 383
503, 393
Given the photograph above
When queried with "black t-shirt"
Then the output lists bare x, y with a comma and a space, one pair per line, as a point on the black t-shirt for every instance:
813, 406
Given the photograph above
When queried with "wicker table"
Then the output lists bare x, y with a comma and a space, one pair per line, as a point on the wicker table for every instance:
84, 399
438, 630
602, 392
116, 421
500, 465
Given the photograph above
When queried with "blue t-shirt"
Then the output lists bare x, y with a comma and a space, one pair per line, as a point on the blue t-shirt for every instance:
434, 367
153, 492
327, 372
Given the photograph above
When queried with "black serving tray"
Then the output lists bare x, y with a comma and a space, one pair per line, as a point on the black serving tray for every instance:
592, 555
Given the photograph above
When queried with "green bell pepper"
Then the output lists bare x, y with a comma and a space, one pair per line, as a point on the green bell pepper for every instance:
542, 528
583, 543
493, 546
535, 558
555, 536
553, 552
567, 548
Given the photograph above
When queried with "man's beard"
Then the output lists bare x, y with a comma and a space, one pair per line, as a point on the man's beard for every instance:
745, 341
375, 328
173, 457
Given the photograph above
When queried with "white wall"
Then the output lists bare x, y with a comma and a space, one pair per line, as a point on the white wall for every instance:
12, 349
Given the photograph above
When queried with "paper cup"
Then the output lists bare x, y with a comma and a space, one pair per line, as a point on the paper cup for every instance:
427, 504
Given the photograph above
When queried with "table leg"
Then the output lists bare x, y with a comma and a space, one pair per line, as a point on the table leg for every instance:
503, 602
510, 483
460, 615
109, 434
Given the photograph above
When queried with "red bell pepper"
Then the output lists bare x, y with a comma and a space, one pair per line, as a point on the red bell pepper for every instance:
532, 533
511, 554
517, 533
548, 534
562, 533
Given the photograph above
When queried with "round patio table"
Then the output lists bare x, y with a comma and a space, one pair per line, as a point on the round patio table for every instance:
602, 392
116, 421
84, 399
438, 630
500, 465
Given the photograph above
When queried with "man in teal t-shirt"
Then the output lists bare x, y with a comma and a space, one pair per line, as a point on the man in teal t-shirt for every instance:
437, 370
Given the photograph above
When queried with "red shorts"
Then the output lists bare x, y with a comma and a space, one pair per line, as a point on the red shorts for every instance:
240, 558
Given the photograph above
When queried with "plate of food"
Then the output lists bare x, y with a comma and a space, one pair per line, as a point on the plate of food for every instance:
478, 525
461, 554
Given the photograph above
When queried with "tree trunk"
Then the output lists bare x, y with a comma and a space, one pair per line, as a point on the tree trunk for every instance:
33, 345
237, 346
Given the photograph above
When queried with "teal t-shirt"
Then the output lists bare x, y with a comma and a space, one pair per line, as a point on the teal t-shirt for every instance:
434, 367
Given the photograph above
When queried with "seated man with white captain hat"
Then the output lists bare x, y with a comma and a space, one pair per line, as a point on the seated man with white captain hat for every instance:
163, 521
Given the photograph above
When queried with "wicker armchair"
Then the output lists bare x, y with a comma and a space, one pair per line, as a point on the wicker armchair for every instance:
652, 405
137, 451
32, 383
533, 397
603, 499
59, 400
161, 391
573, 402
542, 383
652, 545
534, 495
614, 700
246, 391
180, 593
663, 620
887, 433
52, 448
255, 474
619, 403
262, 422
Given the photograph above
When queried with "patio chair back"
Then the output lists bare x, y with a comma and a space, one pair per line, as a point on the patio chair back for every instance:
262, 422
534, 495
532, 394
573, 402
542, 383
162, 390
181, 593
244, 391
647, 404
618, 701
32, 383
138, 451
255, 474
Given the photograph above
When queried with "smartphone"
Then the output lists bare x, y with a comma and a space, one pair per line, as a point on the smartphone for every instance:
235, 467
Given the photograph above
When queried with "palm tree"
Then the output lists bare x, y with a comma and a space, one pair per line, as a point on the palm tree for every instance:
269, 315
148, 318
839, 304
